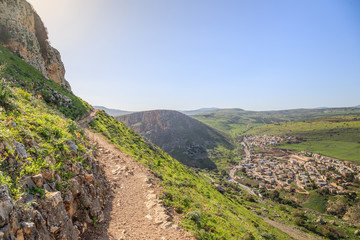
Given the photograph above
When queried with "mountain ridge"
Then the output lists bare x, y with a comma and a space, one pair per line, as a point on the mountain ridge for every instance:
182, 137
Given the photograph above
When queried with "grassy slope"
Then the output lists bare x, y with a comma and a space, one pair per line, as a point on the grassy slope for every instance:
33, 81
31, 119
237, 121
177, 133
207, 212
332, 132
338, 136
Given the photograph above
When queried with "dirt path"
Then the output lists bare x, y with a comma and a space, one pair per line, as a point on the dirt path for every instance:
133, 210
291, 231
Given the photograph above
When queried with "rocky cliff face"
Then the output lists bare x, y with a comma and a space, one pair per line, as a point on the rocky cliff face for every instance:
23, 32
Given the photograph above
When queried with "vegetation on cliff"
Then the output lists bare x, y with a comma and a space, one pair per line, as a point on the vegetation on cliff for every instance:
45, 158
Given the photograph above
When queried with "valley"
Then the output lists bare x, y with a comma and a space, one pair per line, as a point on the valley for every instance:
70, 170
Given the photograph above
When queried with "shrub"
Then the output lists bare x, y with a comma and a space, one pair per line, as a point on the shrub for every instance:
249, 198
195, 216
248, 236
4, 34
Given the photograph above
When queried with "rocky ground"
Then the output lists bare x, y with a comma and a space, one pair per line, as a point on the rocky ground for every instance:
133, 210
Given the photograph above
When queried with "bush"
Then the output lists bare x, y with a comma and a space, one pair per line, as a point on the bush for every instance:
329, 232
337, 208
299, 221
195, 216
4, 34
248, 236
266, 235
249, 198
5, 95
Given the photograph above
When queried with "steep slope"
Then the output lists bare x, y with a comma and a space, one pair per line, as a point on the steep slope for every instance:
55, 184
184, 138
133, 199
20, 74
23, 32
59, 189
204, 210
48, 171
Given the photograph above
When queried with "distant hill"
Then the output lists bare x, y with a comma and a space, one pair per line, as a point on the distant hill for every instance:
184, 138
198, 111
239, 121
112, 112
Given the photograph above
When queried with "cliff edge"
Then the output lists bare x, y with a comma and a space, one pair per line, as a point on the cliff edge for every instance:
23, 32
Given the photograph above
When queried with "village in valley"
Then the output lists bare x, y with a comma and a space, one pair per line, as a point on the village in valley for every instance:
275, 169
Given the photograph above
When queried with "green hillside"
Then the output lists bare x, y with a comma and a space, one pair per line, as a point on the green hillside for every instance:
184, 138
332, 132
29, 117
20, 74
205, 210
239, 122
336, 136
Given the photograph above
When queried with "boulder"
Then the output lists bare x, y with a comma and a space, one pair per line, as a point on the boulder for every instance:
26, 183
321, 221
20, 150
6, 205
38, 180
48, 174
72, 146
75, 187
54, 199
28, 227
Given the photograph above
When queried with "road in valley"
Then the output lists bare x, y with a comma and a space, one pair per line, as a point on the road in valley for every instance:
235, 168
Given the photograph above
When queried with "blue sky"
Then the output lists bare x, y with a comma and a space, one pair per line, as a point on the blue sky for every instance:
188, 54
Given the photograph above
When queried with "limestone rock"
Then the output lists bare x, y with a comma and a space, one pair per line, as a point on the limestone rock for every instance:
27, 227
20, 150
6, 205
48, 174
28, 38
38, 180
72, 146
26, 183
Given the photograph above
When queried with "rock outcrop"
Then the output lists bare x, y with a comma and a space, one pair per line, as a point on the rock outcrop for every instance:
23, 32
47, 209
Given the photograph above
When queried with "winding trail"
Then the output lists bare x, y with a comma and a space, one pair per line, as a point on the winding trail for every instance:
133, 210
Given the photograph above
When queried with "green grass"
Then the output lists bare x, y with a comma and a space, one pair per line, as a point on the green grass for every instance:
349, 151
239, 122
31, 120
316, 202
338, 136
22, 75
205, 211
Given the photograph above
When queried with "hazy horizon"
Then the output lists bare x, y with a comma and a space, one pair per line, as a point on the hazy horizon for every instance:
222, 108
184, 55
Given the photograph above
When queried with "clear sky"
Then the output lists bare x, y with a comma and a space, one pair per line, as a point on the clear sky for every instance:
188, 54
